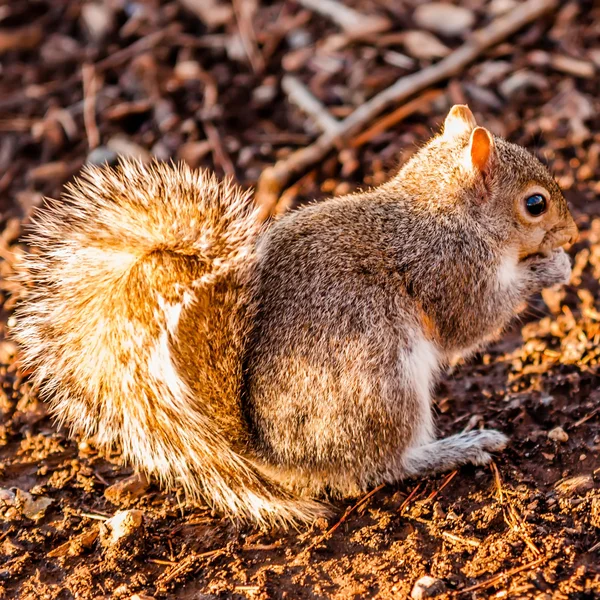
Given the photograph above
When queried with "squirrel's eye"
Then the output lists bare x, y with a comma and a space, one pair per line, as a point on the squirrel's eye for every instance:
535, 205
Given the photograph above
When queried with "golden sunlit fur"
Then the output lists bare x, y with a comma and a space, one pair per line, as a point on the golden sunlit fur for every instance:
129, 260
260, 367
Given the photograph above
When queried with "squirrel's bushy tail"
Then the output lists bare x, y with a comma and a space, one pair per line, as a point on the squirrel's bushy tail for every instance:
135, 312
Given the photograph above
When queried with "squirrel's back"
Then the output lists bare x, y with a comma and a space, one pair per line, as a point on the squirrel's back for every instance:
134, 318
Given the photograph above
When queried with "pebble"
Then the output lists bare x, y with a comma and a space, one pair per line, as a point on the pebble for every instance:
15, 502
123, 525
299, 38
188, 70
126, 147
573, 66
424, 45
558, 434
128, 489
8, 350
102, 155
522, 80
446, 19
427, 587
76, 545
97, 18
265, 93
500, 7
492, 71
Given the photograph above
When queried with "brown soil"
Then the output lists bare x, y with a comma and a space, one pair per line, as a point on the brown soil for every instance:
526, 527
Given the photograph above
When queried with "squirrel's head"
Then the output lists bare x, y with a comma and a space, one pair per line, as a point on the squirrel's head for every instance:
466, 166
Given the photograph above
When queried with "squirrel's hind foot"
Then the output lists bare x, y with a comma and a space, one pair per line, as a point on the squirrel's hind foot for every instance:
447, 454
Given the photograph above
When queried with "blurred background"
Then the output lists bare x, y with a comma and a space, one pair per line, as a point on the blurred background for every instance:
233, 86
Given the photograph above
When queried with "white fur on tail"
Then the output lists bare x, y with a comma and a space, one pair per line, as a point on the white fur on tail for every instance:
116, 266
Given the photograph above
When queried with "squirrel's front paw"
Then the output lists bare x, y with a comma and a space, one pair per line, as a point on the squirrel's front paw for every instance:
550, 270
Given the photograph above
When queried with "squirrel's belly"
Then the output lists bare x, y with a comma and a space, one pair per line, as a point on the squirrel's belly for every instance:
340, 401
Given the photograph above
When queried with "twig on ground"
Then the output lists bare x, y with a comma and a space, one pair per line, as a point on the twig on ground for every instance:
101, 479
496, 578
16, 124
142, 45
288, 196
511, 516
344, 518
401, 113
158, 561
350, 20
407, 500
220, 156
594, 547
94, 516
267, 547
273, 179
473, 422
301, 96
498, 481
448, 479
587, 417
90, 89
243, 16
189, 563
460, 540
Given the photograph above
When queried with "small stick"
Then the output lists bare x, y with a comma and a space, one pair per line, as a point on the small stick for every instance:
496, 578
301, 96
16, 124
158, 561
101, 479
186, 564
587, 417
243, 16
219, 154
90, 88
286, 199
142, 45
93, 516
395, 117
511, 516
473, 422
344, 518
448, 479
350, 20
272, 546
594, 547
497, 480
456, 538
406, 502
6, 533
274, 178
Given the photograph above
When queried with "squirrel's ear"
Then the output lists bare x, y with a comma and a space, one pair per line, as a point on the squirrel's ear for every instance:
481, 149
459, 122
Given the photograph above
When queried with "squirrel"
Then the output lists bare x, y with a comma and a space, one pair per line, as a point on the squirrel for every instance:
267, 368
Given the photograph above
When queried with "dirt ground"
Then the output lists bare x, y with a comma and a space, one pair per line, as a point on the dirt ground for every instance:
201, 81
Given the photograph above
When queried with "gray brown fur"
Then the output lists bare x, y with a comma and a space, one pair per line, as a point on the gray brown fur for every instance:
259, 368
